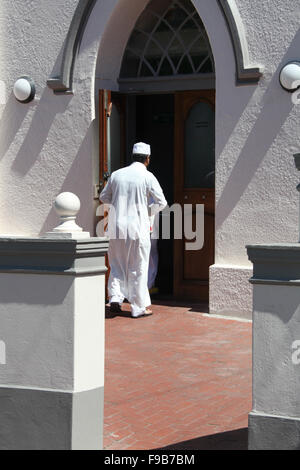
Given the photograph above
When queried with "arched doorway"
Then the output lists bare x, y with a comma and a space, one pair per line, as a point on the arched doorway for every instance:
166, 97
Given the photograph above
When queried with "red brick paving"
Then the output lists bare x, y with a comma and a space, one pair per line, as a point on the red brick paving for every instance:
176, 376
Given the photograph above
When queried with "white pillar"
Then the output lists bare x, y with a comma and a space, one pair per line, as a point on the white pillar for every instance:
274, 422
52, 310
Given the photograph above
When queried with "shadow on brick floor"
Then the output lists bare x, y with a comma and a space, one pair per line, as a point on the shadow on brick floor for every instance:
171, 302
231, 440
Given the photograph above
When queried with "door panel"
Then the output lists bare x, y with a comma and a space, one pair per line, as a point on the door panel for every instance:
194, 184
199, 162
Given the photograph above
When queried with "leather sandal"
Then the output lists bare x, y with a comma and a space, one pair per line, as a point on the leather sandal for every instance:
115, 307
147, 313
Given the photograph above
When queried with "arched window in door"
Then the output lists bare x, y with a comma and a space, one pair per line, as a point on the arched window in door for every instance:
169, 39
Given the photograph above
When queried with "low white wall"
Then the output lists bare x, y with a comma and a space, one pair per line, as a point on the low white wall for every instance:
276, 328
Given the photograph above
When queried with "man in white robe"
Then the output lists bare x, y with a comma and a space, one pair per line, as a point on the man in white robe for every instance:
134, 195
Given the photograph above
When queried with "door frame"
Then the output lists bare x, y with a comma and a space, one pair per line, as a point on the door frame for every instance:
179, 290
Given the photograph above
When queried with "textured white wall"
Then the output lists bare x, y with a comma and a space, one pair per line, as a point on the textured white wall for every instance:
230, 292
32, 166
257, 134
51, 145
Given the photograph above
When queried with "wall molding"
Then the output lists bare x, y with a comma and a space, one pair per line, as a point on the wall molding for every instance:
63, 83
275, 264
245, 74
67, 257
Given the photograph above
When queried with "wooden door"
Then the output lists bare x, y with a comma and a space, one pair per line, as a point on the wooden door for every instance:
105, 106
194, 184
112, 133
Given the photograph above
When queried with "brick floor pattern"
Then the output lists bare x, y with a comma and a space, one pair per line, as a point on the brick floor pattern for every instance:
174, 377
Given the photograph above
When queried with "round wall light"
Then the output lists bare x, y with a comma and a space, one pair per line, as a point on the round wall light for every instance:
290, 76
24, 89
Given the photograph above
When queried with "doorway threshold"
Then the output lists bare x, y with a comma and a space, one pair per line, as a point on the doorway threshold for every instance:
171, 301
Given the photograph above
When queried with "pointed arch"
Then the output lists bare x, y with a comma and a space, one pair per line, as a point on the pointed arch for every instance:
245, 74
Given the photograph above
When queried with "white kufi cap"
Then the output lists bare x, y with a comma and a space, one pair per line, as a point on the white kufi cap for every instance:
141, 149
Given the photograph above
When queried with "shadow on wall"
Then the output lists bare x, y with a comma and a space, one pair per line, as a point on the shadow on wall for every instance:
39, 129
269, 123
34, 290
77, 181
13, 114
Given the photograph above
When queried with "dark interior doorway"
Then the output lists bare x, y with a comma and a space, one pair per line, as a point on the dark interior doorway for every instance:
155, 125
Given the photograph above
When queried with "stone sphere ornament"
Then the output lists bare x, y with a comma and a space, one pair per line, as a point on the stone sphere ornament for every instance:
24, 89
67, 206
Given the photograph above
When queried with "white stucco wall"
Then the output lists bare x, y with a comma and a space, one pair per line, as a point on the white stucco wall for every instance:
257, 134
45, 146
51, 145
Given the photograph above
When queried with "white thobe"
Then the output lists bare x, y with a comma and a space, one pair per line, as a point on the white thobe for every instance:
153, 260
133, 194
153, 263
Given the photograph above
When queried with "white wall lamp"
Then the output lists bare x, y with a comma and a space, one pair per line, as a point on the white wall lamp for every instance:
290, 76
24, 89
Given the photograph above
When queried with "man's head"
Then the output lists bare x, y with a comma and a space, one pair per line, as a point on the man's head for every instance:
141, 153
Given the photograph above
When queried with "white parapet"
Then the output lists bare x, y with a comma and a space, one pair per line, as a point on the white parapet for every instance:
274, 422
52, 312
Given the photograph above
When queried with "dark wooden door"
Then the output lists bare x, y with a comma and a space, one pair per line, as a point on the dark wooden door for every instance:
194, 184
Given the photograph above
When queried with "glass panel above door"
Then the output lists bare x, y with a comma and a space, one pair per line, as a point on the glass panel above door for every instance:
199, 147
170, 37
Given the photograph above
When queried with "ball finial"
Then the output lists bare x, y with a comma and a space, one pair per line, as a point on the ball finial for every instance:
67, 205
